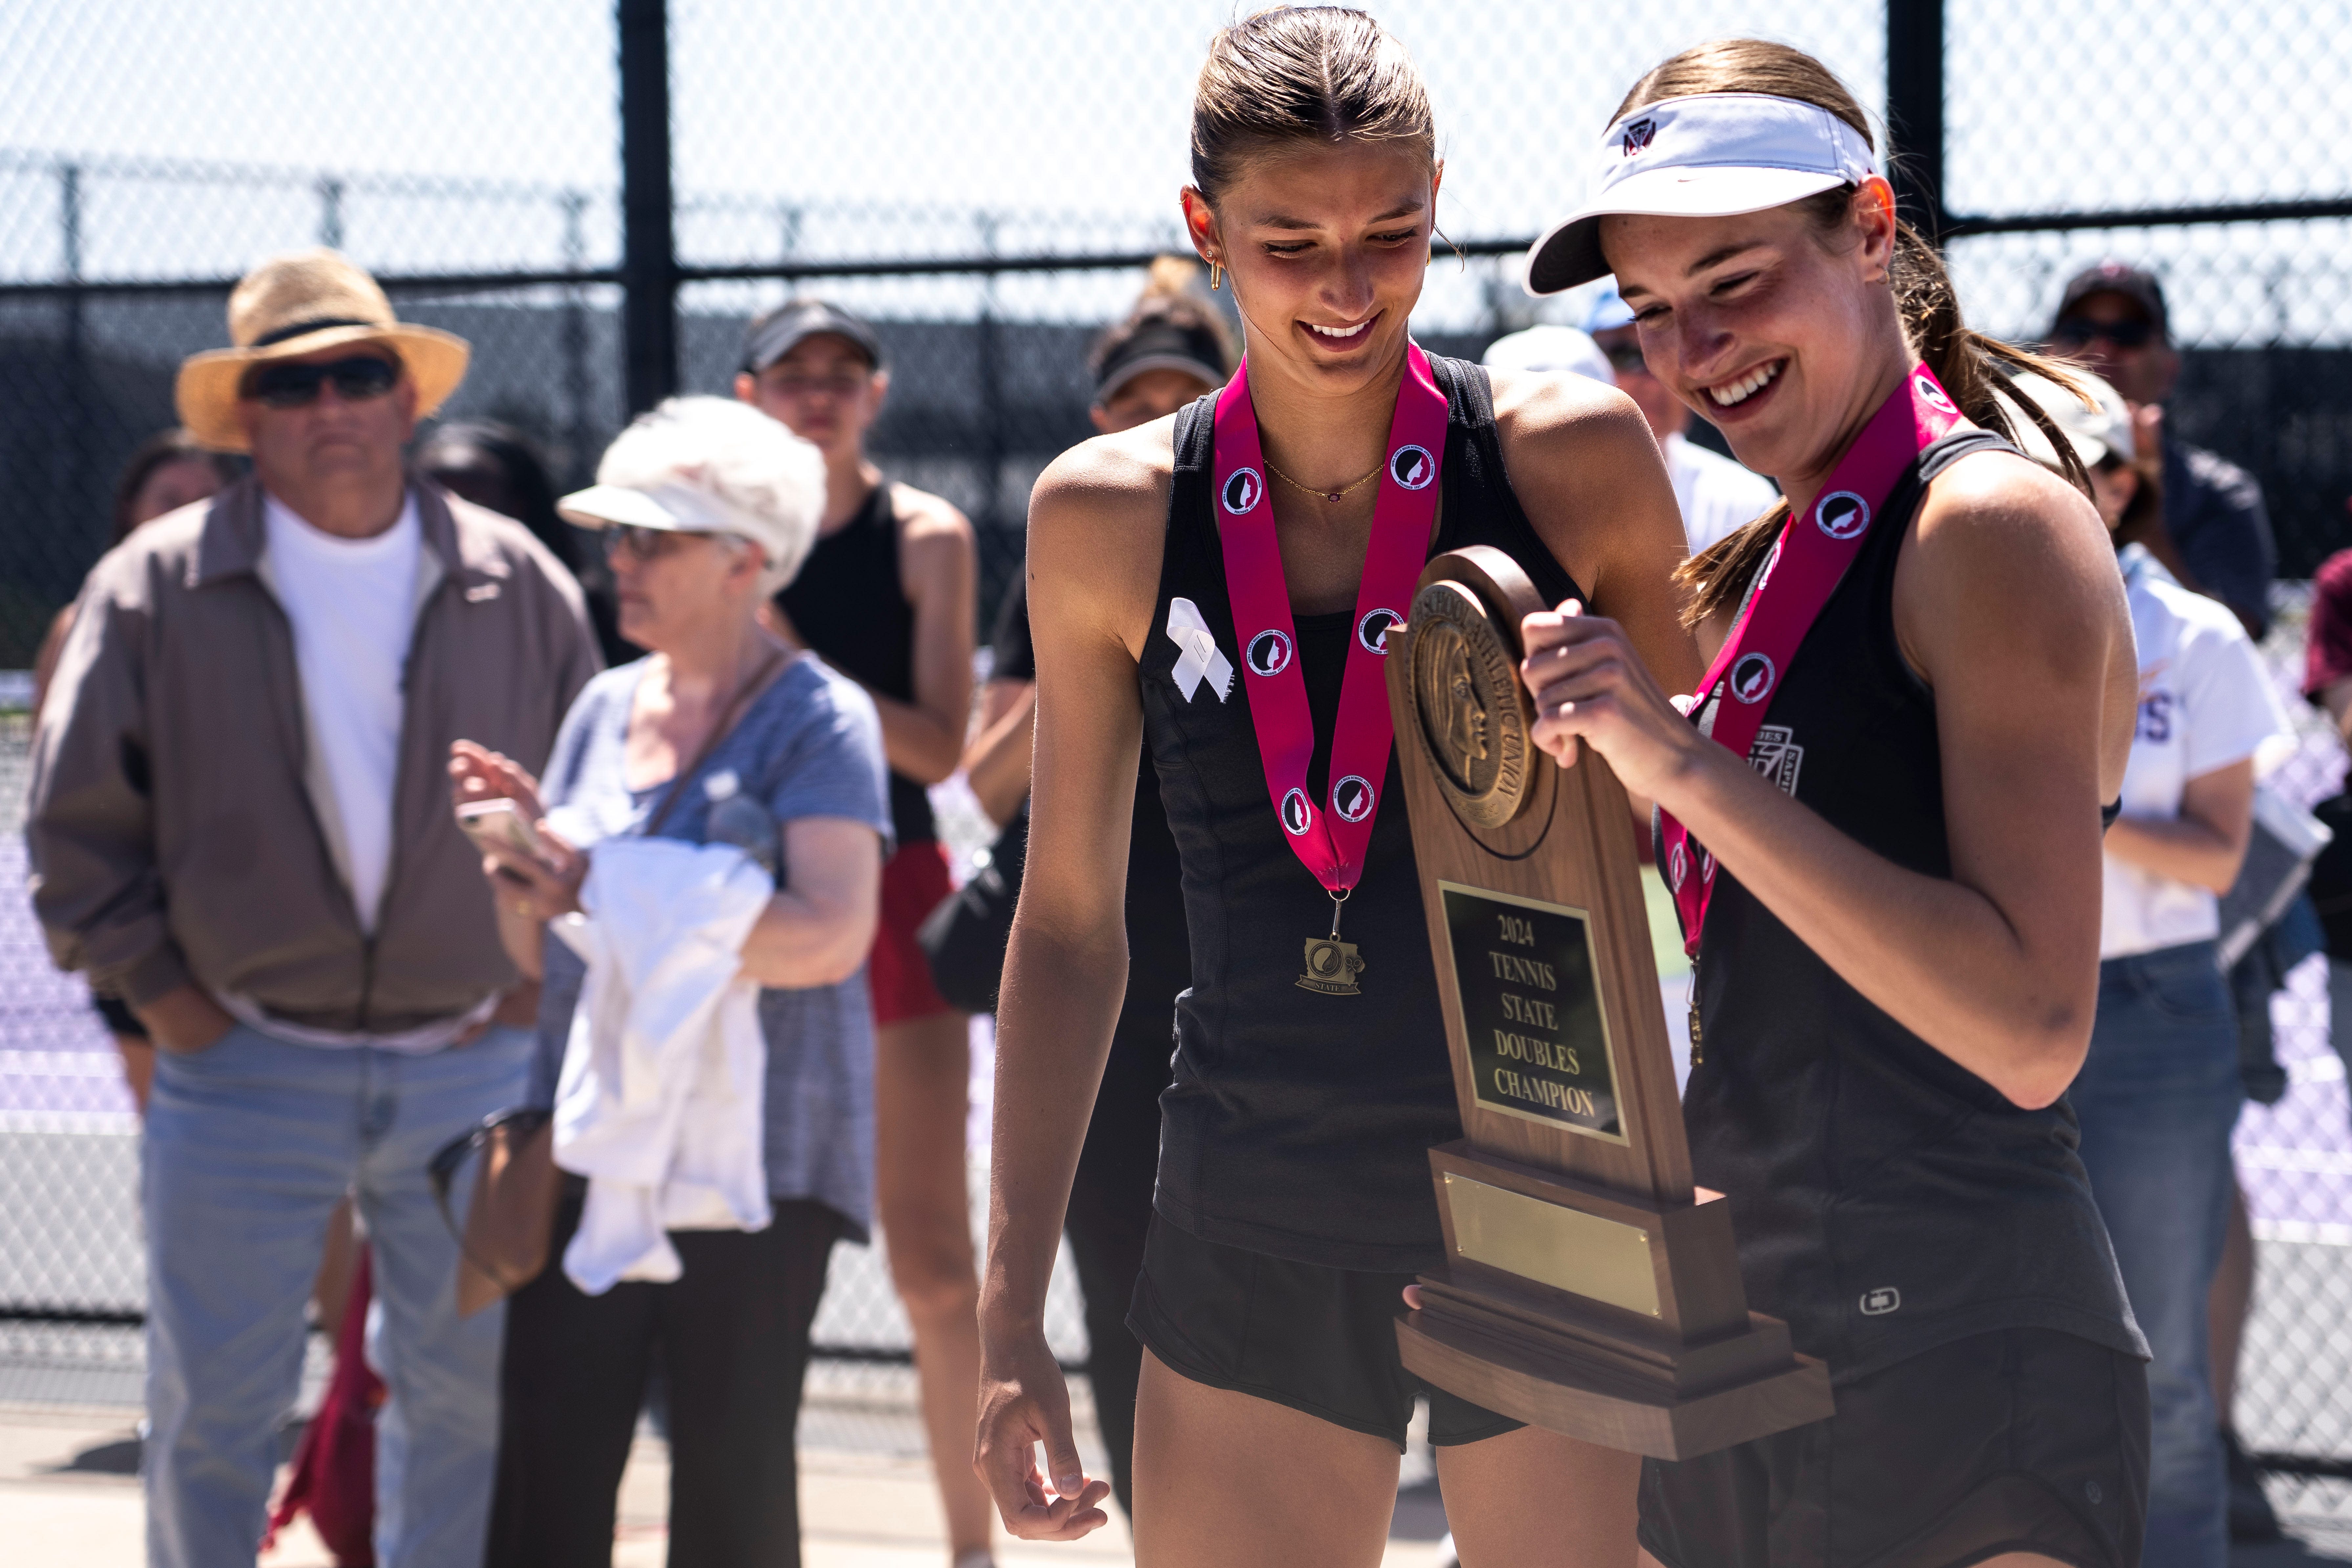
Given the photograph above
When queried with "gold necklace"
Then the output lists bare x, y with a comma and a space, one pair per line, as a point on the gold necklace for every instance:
1329, 495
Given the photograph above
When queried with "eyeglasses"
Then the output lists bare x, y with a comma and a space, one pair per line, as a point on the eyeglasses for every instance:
644, 543
840, 383
359, 379
2080, 332
1626, 358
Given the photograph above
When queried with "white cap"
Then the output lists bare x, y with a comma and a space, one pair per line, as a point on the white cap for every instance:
2095, 432
1550, 349
1708, 156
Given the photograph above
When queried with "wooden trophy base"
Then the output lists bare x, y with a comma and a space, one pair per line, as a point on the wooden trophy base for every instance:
1600, 1316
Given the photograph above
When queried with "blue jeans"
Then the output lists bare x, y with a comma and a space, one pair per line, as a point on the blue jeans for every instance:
2158, 1098
250, 1144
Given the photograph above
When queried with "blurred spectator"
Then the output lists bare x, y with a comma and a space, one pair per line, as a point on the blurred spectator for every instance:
1715, 494
1173, 348
235, 821
496, 466
2212, 534
721, 734
887, 597
1568, 351
166, 471
2159, 1091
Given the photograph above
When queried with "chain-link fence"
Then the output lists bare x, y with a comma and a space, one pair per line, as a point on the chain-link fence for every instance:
984, 181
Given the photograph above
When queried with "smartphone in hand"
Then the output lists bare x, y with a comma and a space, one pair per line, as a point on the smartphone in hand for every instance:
501, 822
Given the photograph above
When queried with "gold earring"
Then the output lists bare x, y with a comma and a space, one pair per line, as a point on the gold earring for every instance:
1216, 276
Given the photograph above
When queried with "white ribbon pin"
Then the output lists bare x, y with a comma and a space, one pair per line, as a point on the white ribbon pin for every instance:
1199, 657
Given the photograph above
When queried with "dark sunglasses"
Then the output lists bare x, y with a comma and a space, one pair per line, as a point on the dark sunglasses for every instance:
2079, 332
357, 380
1626, 358
644, 543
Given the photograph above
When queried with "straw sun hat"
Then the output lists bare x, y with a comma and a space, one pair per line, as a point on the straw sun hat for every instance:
295, 305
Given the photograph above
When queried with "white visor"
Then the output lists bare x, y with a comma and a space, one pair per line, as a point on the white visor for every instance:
1710, 155
677, 508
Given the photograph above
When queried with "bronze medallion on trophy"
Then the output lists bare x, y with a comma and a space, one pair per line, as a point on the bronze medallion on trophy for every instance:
1589, 1287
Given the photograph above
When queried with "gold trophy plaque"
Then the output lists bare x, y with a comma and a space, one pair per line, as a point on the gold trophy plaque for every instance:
1588, 1288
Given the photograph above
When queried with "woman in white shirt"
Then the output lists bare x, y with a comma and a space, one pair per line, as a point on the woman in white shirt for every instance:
2159, 1092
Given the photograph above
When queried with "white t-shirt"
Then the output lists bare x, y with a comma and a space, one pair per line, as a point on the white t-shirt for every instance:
1716, 495
352, 605
2205, 701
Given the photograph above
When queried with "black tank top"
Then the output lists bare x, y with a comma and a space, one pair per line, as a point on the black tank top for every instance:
1886, 1199
848, 605
1298, 1124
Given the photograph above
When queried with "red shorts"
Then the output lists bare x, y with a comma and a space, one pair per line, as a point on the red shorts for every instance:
915, 882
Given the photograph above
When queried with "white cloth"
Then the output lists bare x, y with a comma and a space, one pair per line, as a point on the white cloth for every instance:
351, 603
2205, 701
660, 1101
1715, 494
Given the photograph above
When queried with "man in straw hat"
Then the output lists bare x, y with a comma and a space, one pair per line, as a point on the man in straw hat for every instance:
239, 821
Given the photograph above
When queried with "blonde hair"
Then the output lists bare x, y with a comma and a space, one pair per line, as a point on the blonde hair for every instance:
1974, 368
1302, 73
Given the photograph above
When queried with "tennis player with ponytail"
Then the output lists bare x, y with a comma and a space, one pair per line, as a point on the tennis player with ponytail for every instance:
1218, 587
1927, 657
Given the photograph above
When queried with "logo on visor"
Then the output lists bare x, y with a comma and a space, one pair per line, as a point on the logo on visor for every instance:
1353, 798
1243, 489
1752, 677
1374, 630
1842, 515
1412, 468
1638, 135
1298, 816
1930, 394
1268, 653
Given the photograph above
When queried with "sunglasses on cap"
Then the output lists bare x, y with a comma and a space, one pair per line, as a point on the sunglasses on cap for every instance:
359, 379
2079, 332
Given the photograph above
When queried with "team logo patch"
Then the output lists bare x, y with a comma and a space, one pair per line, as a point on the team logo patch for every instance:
1879, 1303
1298, 816
1934, 397
1776, 755
1268, 653
1841, 514
1244, 488
1353, 798
1639, 134
1374, 630
1412, 468
1752, 678
1677, 867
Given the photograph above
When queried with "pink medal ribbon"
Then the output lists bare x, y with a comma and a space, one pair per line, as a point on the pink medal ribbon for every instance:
1328, 837
1803, 570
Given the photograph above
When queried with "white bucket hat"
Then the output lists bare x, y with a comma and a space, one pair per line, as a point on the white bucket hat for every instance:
1707, 155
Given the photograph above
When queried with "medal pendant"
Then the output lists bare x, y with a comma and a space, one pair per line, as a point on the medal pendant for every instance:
1331, 967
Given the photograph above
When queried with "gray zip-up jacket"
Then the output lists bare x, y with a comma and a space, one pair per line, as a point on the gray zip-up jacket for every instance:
179, 826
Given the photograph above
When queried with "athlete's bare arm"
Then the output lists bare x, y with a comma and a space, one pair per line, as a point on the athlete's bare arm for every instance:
1587, 469
2007, 602
1096, 522
937, 565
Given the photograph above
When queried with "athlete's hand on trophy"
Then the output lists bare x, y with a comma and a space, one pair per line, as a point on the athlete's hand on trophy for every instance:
1589, 686
1024, 1402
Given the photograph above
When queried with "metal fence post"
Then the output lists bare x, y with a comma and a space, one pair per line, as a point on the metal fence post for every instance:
330, 212
648, 240
1914, 111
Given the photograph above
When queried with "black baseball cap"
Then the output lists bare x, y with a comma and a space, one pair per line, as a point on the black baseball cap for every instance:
1193, 349
773, 336
2134, 283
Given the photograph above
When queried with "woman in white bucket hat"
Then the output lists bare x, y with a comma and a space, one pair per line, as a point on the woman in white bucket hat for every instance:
1883, 833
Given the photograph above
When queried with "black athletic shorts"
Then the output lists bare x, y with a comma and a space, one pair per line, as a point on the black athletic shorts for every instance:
1318, 1340
2018, 1441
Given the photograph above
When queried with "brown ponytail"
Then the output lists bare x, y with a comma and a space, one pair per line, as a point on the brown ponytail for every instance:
1302, 73
1974, 368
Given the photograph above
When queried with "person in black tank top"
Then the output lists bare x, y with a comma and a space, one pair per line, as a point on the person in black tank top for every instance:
1171, 349
1897, 964
887, 597
1294, 1196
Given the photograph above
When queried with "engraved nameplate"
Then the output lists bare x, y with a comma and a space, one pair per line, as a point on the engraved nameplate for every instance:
1538, 1046
1566, 1249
